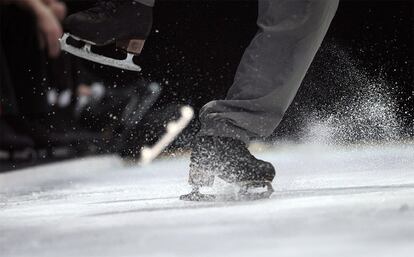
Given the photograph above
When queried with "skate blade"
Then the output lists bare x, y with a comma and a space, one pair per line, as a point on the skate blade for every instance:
86, 53
191, 197
80, 39
198, 197
174, 128
244, 193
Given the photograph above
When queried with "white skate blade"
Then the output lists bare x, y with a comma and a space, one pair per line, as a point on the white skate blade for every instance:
174, 128
248, 191
86, 53
198, 197
253, 190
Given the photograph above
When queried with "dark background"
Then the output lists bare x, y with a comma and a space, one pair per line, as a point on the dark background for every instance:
366, 59
358, 89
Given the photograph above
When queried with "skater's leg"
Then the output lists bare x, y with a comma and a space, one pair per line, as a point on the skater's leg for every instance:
271, 70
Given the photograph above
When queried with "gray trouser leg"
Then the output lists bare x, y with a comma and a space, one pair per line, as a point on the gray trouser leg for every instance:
146, 2
271, 70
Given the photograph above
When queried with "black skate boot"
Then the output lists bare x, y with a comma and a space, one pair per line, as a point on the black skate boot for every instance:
230, 160
115, 24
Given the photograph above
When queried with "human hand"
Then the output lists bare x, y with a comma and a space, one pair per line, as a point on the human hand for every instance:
58, 8
50, 30
47, 13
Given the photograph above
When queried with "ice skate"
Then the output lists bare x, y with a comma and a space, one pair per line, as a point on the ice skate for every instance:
230, 160
111, 33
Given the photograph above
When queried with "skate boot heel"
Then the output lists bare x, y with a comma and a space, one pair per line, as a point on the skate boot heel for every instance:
133, 46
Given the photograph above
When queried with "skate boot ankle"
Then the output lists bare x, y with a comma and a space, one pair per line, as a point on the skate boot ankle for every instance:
116, 24
230, 160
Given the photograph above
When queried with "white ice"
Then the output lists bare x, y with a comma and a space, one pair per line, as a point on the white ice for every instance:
329, 201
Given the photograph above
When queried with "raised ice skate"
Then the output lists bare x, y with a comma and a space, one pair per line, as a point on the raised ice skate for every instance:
112, 26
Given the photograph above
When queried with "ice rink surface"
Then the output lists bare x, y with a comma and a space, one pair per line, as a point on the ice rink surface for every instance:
329, 201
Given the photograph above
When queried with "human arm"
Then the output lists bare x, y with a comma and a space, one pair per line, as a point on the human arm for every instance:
47, 14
